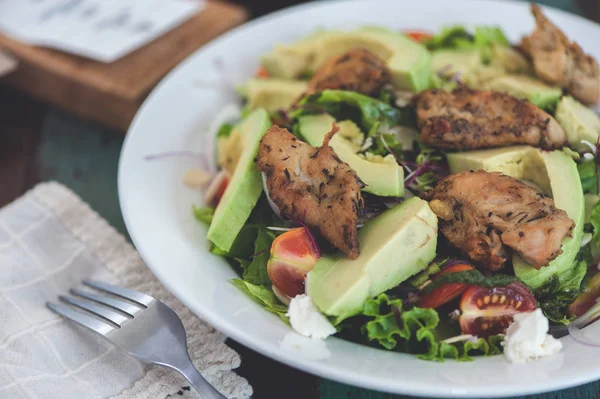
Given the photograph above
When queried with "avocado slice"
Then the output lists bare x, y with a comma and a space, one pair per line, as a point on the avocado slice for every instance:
382, 178
579, 122
510, 60
408, 61
467, 63
394, 246
272, 94
555, 173
245, 187
528, 88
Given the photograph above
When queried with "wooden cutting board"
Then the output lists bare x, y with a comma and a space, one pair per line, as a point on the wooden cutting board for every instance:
110, 94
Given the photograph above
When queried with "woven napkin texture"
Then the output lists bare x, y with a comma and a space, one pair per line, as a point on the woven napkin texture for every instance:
49, 241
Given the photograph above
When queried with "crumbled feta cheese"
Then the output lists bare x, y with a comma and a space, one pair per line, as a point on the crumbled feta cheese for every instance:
306, 319
527, 338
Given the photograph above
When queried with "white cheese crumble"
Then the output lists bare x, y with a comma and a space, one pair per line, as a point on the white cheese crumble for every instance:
527, 338
306, 319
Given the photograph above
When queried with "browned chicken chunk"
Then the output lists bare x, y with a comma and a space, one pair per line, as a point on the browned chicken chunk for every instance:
357, 70
313, 185
561, 62
484, 214
466, 119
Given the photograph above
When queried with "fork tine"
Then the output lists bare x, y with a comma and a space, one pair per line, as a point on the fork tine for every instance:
126, 308
110, 316
80, 318
143, 299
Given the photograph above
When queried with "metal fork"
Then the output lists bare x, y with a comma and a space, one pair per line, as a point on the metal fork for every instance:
140, 325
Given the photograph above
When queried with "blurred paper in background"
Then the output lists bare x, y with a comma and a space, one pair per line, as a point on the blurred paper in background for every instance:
103, 30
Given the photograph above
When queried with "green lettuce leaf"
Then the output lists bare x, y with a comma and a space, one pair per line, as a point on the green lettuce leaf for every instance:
225, 130
587, 174
416, 331
488, 35
365, 111
458, 37
204, 214
450, 37
559, 292
264, 296
256, 271
384, 141
595, 222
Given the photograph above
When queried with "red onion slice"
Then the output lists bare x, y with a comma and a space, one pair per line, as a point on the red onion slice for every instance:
274, 207
586, 329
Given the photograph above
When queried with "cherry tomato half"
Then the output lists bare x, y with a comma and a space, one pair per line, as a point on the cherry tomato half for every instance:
489, 311
293, 255
262, 73
445, 292
418, 35
217, 188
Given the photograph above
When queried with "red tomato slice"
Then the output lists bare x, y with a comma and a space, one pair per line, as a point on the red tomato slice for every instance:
489, 311
217, 188
293, 255
445, 292
418, 35
262, 73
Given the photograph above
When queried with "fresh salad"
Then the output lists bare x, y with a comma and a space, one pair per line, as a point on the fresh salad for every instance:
433, 193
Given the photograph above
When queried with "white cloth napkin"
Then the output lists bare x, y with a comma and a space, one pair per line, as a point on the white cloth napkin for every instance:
49, 241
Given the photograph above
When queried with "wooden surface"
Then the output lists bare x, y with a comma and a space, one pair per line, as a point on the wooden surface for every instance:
38, 143
111, 93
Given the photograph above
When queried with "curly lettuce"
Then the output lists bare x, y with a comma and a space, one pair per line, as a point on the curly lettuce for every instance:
417, 331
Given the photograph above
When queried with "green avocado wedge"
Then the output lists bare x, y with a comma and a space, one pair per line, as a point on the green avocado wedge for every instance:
394, 246
272, 94
408, 61
580, 122
382, 178
244, 188
555, 173
528, 88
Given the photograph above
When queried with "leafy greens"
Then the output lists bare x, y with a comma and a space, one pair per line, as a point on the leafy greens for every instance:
555, 296
458, 37
416, 331
344, 104
264, 296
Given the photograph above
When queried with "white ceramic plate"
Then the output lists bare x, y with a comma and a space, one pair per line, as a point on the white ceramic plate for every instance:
157, 206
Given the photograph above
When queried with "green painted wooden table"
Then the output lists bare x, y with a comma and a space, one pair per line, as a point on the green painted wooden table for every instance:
38, 144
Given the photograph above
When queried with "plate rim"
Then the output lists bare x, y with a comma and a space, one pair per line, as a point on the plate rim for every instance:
285, 358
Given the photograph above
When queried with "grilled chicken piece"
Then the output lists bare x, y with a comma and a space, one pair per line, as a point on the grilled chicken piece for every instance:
466, 119
558, 61
356, 70
313, 185
486, 213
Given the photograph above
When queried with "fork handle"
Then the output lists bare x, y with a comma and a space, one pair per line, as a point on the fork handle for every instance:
200, 384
